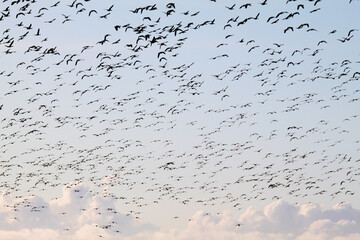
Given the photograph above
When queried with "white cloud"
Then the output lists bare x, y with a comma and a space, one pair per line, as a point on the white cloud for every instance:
80, 215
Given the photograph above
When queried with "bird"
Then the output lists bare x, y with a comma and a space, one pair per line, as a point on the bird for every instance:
288, 28
231, 7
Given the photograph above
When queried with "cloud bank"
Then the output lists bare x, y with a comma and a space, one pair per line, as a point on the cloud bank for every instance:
80, 215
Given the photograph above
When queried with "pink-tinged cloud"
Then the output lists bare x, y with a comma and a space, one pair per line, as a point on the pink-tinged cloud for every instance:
79, 215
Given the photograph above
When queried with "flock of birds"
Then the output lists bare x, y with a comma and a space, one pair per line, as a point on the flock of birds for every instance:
169, 102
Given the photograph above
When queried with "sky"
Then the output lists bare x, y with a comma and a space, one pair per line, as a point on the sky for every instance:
179, 120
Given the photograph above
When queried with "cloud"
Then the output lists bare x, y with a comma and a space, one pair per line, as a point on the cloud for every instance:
80, 215
77, 214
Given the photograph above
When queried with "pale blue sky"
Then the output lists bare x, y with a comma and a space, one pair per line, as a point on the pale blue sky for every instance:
233, 119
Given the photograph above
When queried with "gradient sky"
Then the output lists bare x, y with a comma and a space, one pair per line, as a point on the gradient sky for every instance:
166, 119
